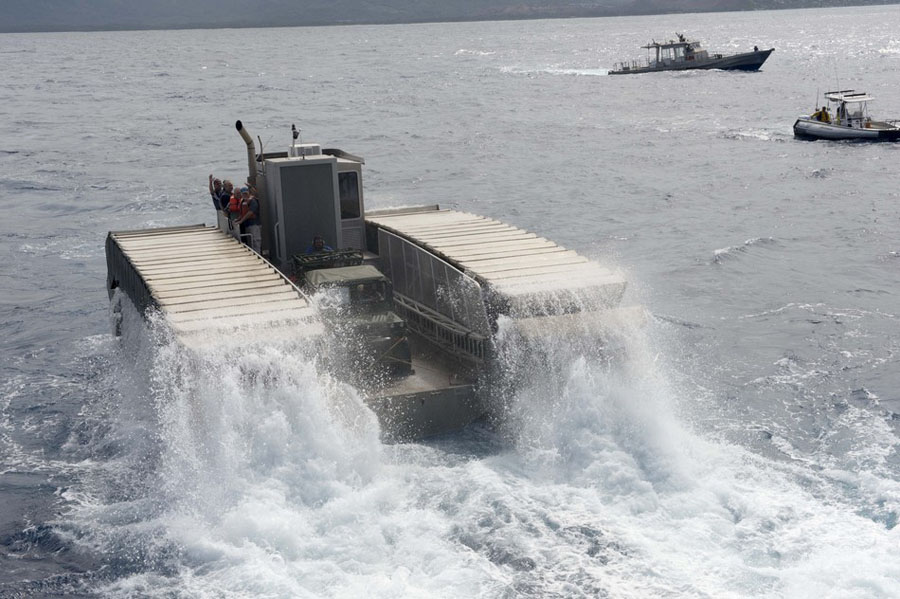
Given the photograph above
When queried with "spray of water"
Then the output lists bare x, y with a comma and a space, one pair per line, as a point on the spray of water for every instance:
635, 503
220, 453
255, 473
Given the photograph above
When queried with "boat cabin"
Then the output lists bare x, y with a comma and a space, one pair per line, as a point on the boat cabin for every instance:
674, 51
667, 54
850, 109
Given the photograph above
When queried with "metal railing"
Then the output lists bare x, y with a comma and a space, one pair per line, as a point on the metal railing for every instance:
441, 330
631, 65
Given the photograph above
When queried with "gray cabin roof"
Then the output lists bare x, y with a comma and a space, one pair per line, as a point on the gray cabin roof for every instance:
664, 45
681, 42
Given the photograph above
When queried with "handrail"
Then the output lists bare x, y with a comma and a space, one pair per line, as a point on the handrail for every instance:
441, 330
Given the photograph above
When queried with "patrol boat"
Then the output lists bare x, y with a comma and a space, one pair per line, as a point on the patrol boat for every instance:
413, 295
683, 54
846, 117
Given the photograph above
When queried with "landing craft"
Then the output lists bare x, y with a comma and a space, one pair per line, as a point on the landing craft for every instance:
412, 296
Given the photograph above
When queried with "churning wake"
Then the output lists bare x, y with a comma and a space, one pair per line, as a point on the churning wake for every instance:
251, 472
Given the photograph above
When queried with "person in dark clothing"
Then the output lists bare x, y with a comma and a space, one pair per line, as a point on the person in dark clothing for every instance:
249, 219
318, 245
217, 193
227, 190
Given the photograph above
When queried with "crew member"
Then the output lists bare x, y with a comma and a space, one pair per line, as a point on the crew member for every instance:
318, 245
822, 115
841, 115
233, 208
249, 220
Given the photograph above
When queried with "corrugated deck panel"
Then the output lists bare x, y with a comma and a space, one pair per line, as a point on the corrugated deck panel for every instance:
510, 261
206, 284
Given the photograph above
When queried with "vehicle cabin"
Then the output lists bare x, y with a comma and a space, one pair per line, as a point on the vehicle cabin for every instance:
359, 289
358, 302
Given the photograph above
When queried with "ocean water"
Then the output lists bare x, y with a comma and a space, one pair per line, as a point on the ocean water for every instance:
744, 443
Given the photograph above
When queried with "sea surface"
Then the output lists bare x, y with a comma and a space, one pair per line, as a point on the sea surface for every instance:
744, 443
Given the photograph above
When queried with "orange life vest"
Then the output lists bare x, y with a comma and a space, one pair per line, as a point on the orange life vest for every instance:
245, 206
234, 204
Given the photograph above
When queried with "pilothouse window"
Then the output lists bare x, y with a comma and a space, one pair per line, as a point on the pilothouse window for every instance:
348, 184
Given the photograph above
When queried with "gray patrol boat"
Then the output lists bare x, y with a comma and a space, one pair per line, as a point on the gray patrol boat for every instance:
410, 298
683, 54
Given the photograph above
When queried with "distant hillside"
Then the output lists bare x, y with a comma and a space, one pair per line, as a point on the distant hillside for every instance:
87, 15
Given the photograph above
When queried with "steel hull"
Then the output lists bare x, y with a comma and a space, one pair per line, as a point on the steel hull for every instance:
748, 61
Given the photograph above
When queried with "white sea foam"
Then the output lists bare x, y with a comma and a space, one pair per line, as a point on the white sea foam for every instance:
466, 52
551, 70
675, 510
256, 475
732, 250
749, 134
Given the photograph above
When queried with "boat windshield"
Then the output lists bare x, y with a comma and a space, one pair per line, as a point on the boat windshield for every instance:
662, 54
850, 112
856, 110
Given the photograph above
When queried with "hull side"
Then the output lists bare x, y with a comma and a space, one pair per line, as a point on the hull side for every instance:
416, 416
809, 129
748, 61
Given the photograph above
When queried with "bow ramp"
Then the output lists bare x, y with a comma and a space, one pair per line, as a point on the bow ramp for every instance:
207, 285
